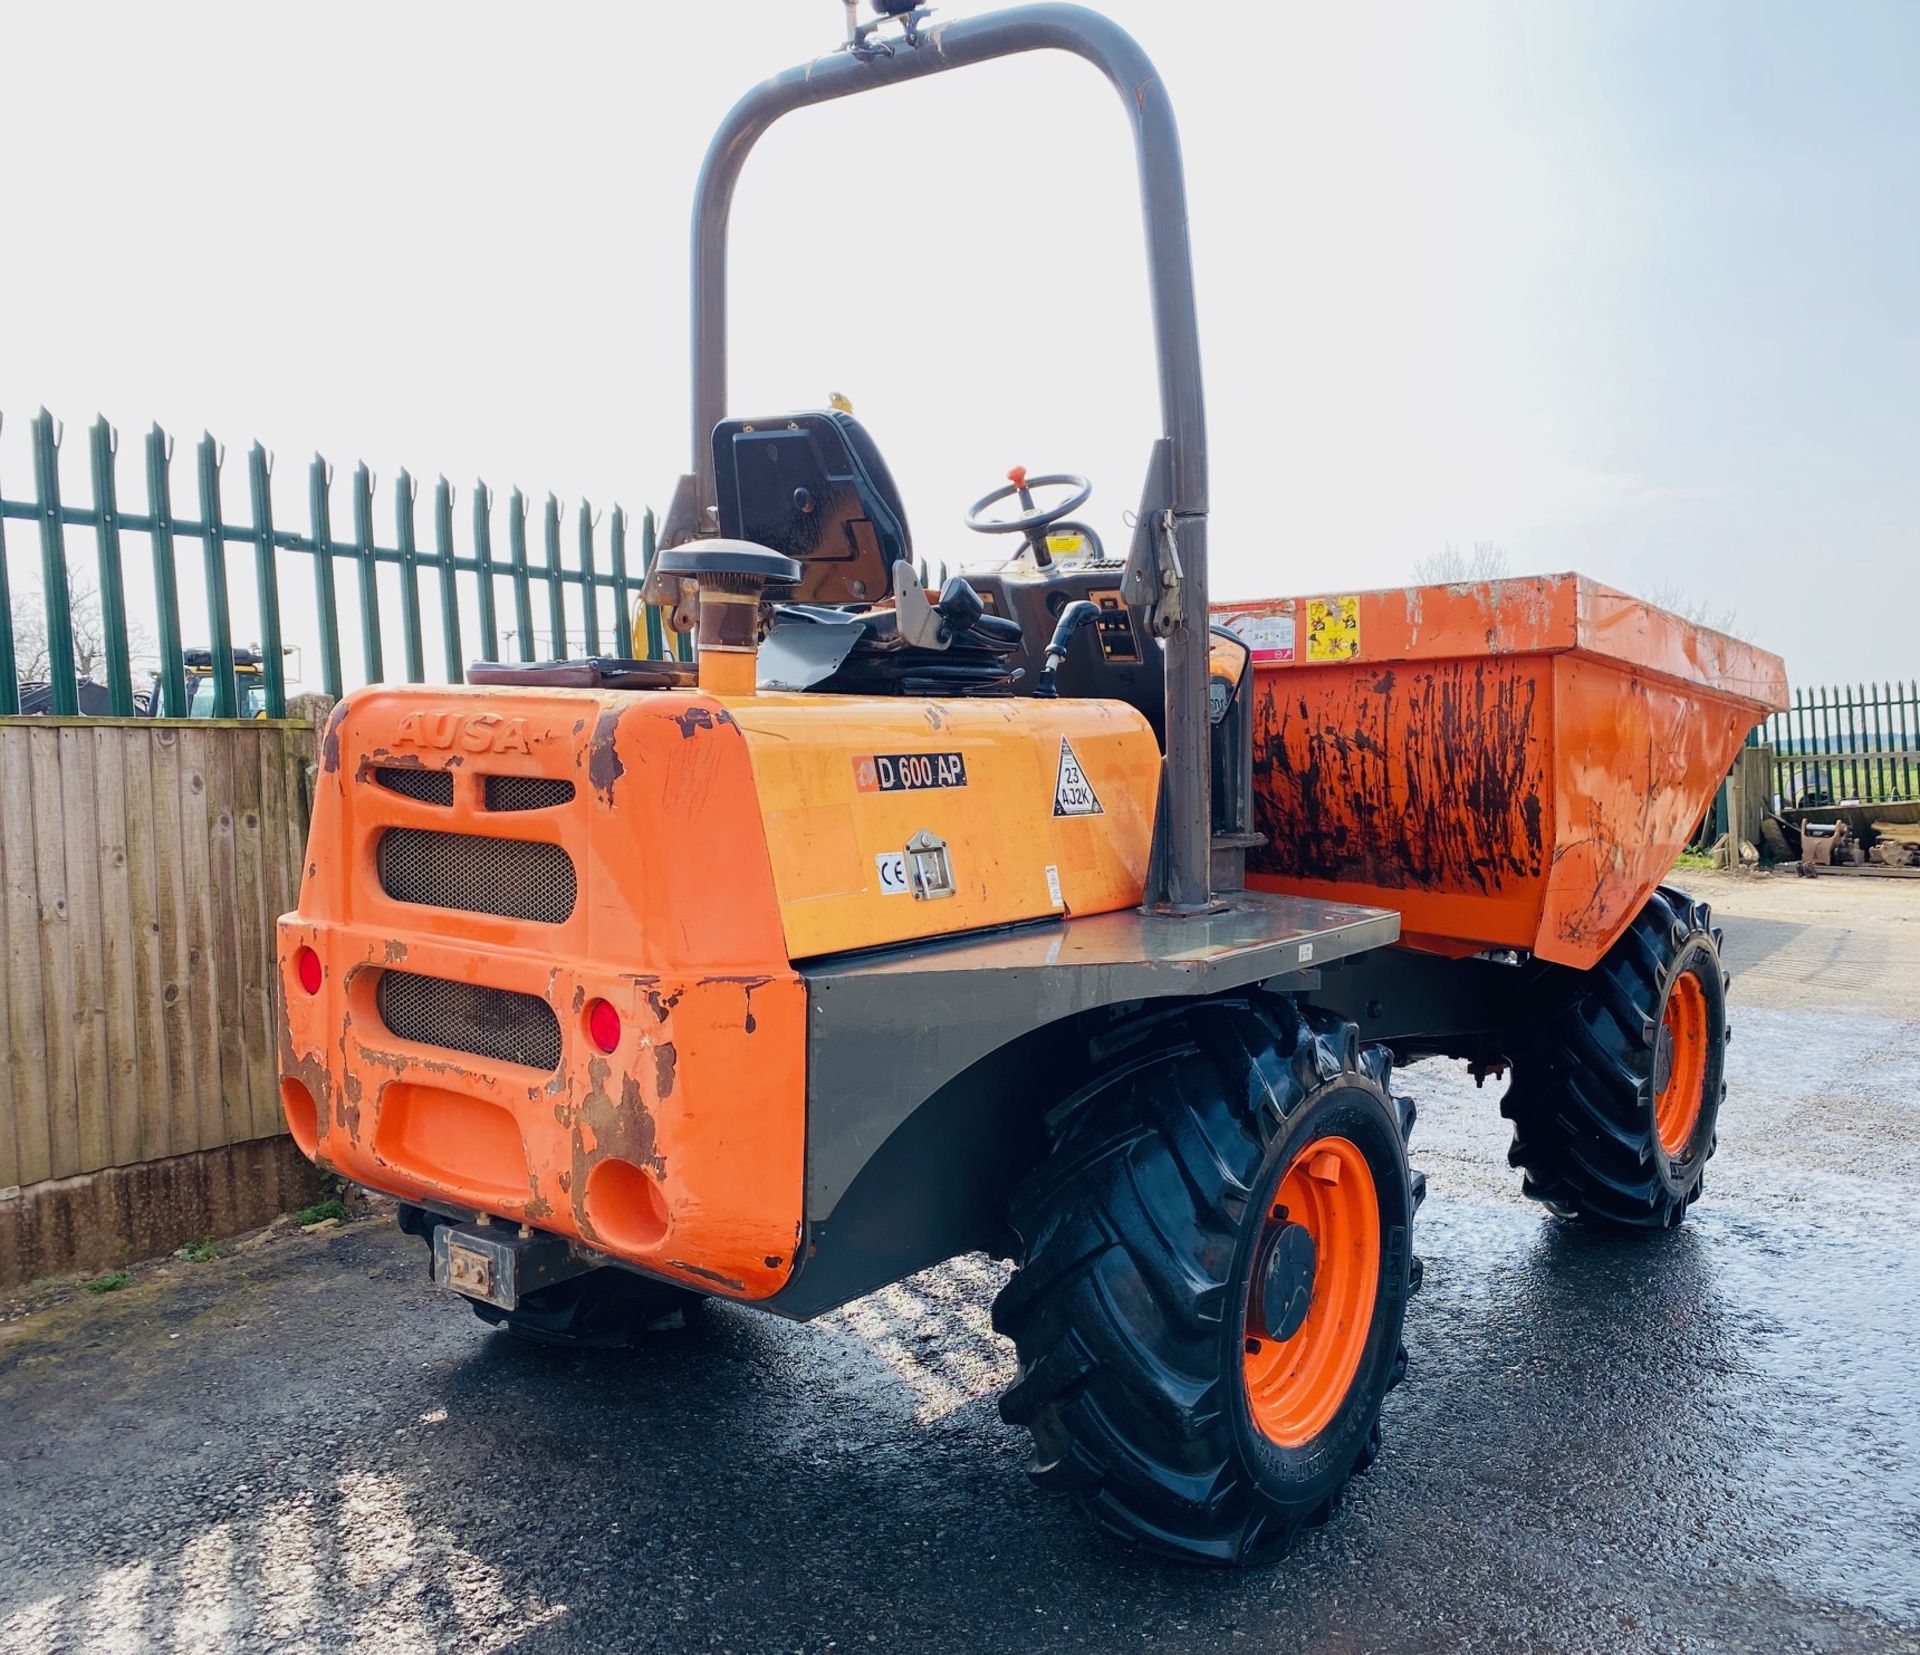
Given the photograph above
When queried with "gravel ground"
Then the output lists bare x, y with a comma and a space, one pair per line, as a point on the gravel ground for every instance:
1702, 1440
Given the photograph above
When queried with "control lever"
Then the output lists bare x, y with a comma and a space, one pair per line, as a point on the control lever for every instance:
1080, 613
960, 610
959, 605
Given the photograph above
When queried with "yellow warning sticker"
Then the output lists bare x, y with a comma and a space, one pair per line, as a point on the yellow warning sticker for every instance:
1333, 629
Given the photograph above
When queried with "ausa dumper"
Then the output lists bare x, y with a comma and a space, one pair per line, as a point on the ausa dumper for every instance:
1036, 915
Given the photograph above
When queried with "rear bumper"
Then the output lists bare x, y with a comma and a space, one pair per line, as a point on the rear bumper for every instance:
690, 1168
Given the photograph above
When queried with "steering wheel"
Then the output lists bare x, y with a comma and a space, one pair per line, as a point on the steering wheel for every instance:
1033, 521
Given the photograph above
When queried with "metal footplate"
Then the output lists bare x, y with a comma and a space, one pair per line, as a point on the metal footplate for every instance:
499, 1266
889, 1027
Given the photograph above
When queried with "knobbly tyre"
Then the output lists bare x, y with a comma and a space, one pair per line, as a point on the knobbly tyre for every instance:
1032, 915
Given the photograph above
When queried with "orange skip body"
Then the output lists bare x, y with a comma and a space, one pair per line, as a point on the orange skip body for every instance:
1510, 764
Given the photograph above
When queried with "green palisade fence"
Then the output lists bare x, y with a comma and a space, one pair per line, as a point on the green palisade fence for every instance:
1848, 741
593, 598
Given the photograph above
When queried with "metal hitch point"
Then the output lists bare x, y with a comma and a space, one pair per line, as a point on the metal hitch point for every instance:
491, 1263
1178, 882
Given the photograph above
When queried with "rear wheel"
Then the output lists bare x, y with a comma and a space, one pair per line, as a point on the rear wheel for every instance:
1214, 1271
1616, 1096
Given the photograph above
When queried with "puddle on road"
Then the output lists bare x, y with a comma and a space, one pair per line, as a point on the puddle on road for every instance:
357, 1561
1739, 1390
934, 1334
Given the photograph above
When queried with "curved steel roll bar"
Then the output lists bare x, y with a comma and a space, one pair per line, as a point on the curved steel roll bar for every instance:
1179, 881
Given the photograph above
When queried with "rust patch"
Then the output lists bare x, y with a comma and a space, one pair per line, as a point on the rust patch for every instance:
706, 1275
693, 720
1431, 778
330, 742
381, 759
603, 759
603, 1127
394, 951
348, 1118
748, 983
312, 1073
663, 1004
665, 1058
641, 1132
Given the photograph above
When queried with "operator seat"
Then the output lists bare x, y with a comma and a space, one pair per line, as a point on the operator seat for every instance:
814, 488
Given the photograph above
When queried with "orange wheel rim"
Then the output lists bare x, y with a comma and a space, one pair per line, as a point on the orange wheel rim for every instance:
1680, 1065
1316, 1273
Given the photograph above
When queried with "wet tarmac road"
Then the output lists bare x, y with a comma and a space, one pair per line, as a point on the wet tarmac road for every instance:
1703, 1440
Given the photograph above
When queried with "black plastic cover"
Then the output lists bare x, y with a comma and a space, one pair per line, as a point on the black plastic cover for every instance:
814, 487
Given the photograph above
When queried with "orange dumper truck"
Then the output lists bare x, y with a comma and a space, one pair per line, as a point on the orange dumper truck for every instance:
1058, 914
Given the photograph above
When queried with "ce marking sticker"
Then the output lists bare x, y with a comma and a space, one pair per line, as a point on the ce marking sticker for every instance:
909, 772
890, 867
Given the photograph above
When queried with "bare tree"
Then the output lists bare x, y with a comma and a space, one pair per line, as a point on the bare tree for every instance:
1689, 608
33, 659
1450, 566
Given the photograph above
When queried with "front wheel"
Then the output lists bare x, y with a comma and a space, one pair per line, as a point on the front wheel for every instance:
1615, 1099
1215, 1267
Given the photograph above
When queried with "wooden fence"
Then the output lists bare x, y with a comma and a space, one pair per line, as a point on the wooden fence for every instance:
142, 865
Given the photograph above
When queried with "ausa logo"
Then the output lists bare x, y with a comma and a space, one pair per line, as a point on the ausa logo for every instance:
474, 733
1073, 794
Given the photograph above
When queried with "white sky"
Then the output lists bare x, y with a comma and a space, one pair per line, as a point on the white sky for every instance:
1624, 287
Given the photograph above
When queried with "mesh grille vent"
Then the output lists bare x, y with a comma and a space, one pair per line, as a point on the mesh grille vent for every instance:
514, 877
467, 1017
527, 792
430, 787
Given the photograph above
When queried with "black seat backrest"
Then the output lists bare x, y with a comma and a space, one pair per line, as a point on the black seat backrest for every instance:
814, 487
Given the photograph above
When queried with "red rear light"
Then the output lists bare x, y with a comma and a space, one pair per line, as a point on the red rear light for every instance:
306, 966
603, 1025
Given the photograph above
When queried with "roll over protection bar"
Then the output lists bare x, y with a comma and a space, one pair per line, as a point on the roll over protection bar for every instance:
1178, 880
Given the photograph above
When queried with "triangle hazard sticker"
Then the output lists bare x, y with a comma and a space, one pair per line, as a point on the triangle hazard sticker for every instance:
1073, 794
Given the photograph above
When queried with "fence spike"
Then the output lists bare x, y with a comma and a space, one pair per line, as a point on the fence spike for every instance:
405, 498
483, 555
371, 652
166, 578
266, 578
320, 522
522, 591
57, 599
556, 592
9, 664
589, 597
622, 607
449, 580
649, 549
210, 456
104, 450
